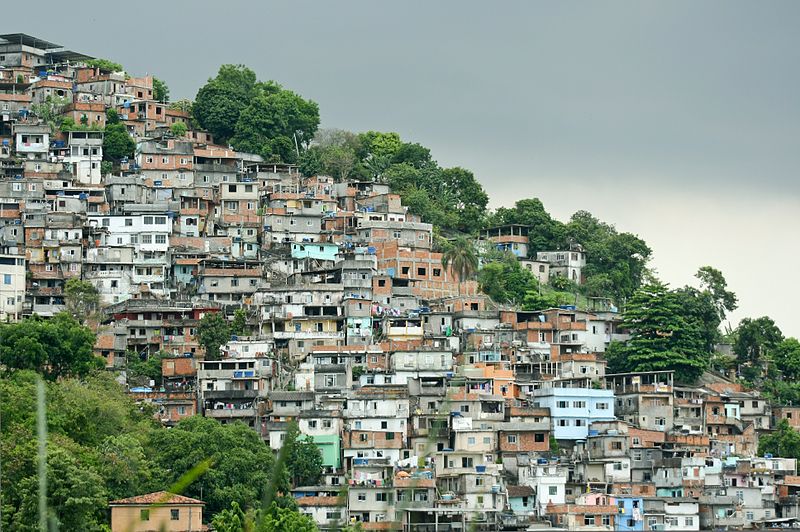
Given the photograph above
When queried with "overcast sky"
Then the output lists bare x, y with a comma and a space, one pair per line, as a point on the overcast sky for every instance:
678, 121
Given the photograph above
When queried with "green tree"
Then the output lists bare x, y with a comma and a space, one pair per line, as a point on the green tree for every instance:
310, 162
55, 348
213, 332
304, 459
112, 116
49, 111
95, 449
783, 442
506, 281
241, 464
75, 496
160, 91
786, 356
461, 259
545, 233
184, 104
379, 145
106, 167
755, 339
179, 129
105, 65
275, 123
338, 161
81, 298
239, 325
141, 370
415, 155
117, 143
219, 102
662, 336
715, 284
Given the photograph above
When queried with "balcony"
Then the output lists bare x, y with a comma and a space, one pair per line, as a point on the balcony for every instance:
211, 395
230, 413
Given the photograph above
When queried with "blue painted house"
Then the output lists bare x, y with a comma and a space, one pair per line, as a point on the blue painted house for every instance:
522, 501
631, 513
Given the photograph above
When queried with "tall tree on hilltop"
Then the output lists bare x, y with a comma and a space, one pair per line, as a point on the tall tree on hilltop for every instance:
662, 336
462, 259
219, 102
755, 339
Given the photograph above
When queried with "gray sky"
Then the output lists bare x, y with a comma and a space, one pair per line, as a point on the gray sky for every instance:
678, 121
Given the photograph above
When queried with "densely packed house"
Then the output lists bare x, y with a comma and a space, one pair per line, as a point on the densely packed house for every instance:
433, 407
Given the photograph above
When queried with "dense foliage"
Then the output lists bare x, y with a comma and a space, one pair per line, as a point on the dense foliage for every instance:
784, 441
81, 298
160, 91
101, 447
241, 463
55, 347
673, 329
615, 262
256, 117
213, 332
504, 280
104, 65
96, 450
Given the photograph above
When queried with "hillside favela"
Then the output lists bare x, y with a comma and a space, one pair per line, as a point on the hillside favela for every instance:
218, 315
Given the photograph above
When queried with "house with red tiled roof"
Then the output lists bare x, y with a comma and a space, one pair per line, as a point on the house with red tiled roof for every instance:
159, 511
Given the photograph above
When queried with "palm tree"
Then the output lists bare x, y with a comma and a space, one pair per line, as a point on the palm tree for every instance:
462, 259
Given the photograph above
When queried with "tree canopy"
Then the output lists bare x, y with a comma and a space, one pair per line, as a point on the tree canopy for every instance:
505, 280
663, 336
160, 91
55, 347
117, 143
81, 298
241, 464
213, 332
256, 117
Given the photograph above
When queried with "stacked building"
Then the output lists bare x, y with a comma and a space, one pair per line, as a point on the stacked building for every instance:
433, 408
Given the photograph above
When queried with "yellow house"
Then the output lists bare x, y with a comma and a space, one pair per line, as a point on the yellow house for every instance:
157, 512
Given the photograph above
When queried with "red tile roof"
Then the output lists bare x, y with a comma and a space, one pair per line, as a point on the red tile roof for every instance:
159, 497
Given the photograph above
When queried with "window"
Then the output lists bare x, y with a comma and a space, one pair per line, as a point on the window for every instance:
7, 278
381, 497
362, 496
148, 220
749, 516
538, 437
562, 422
128, 222
616, 445
466, 461
464, 408
511, 438
333, 516
161, 220
580, 422
637, 441
470, 441
144, 515
578, 404
161, 239
562, 404
147, 239
174, 514
479, 481
588, 519
602, 406
689, 521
